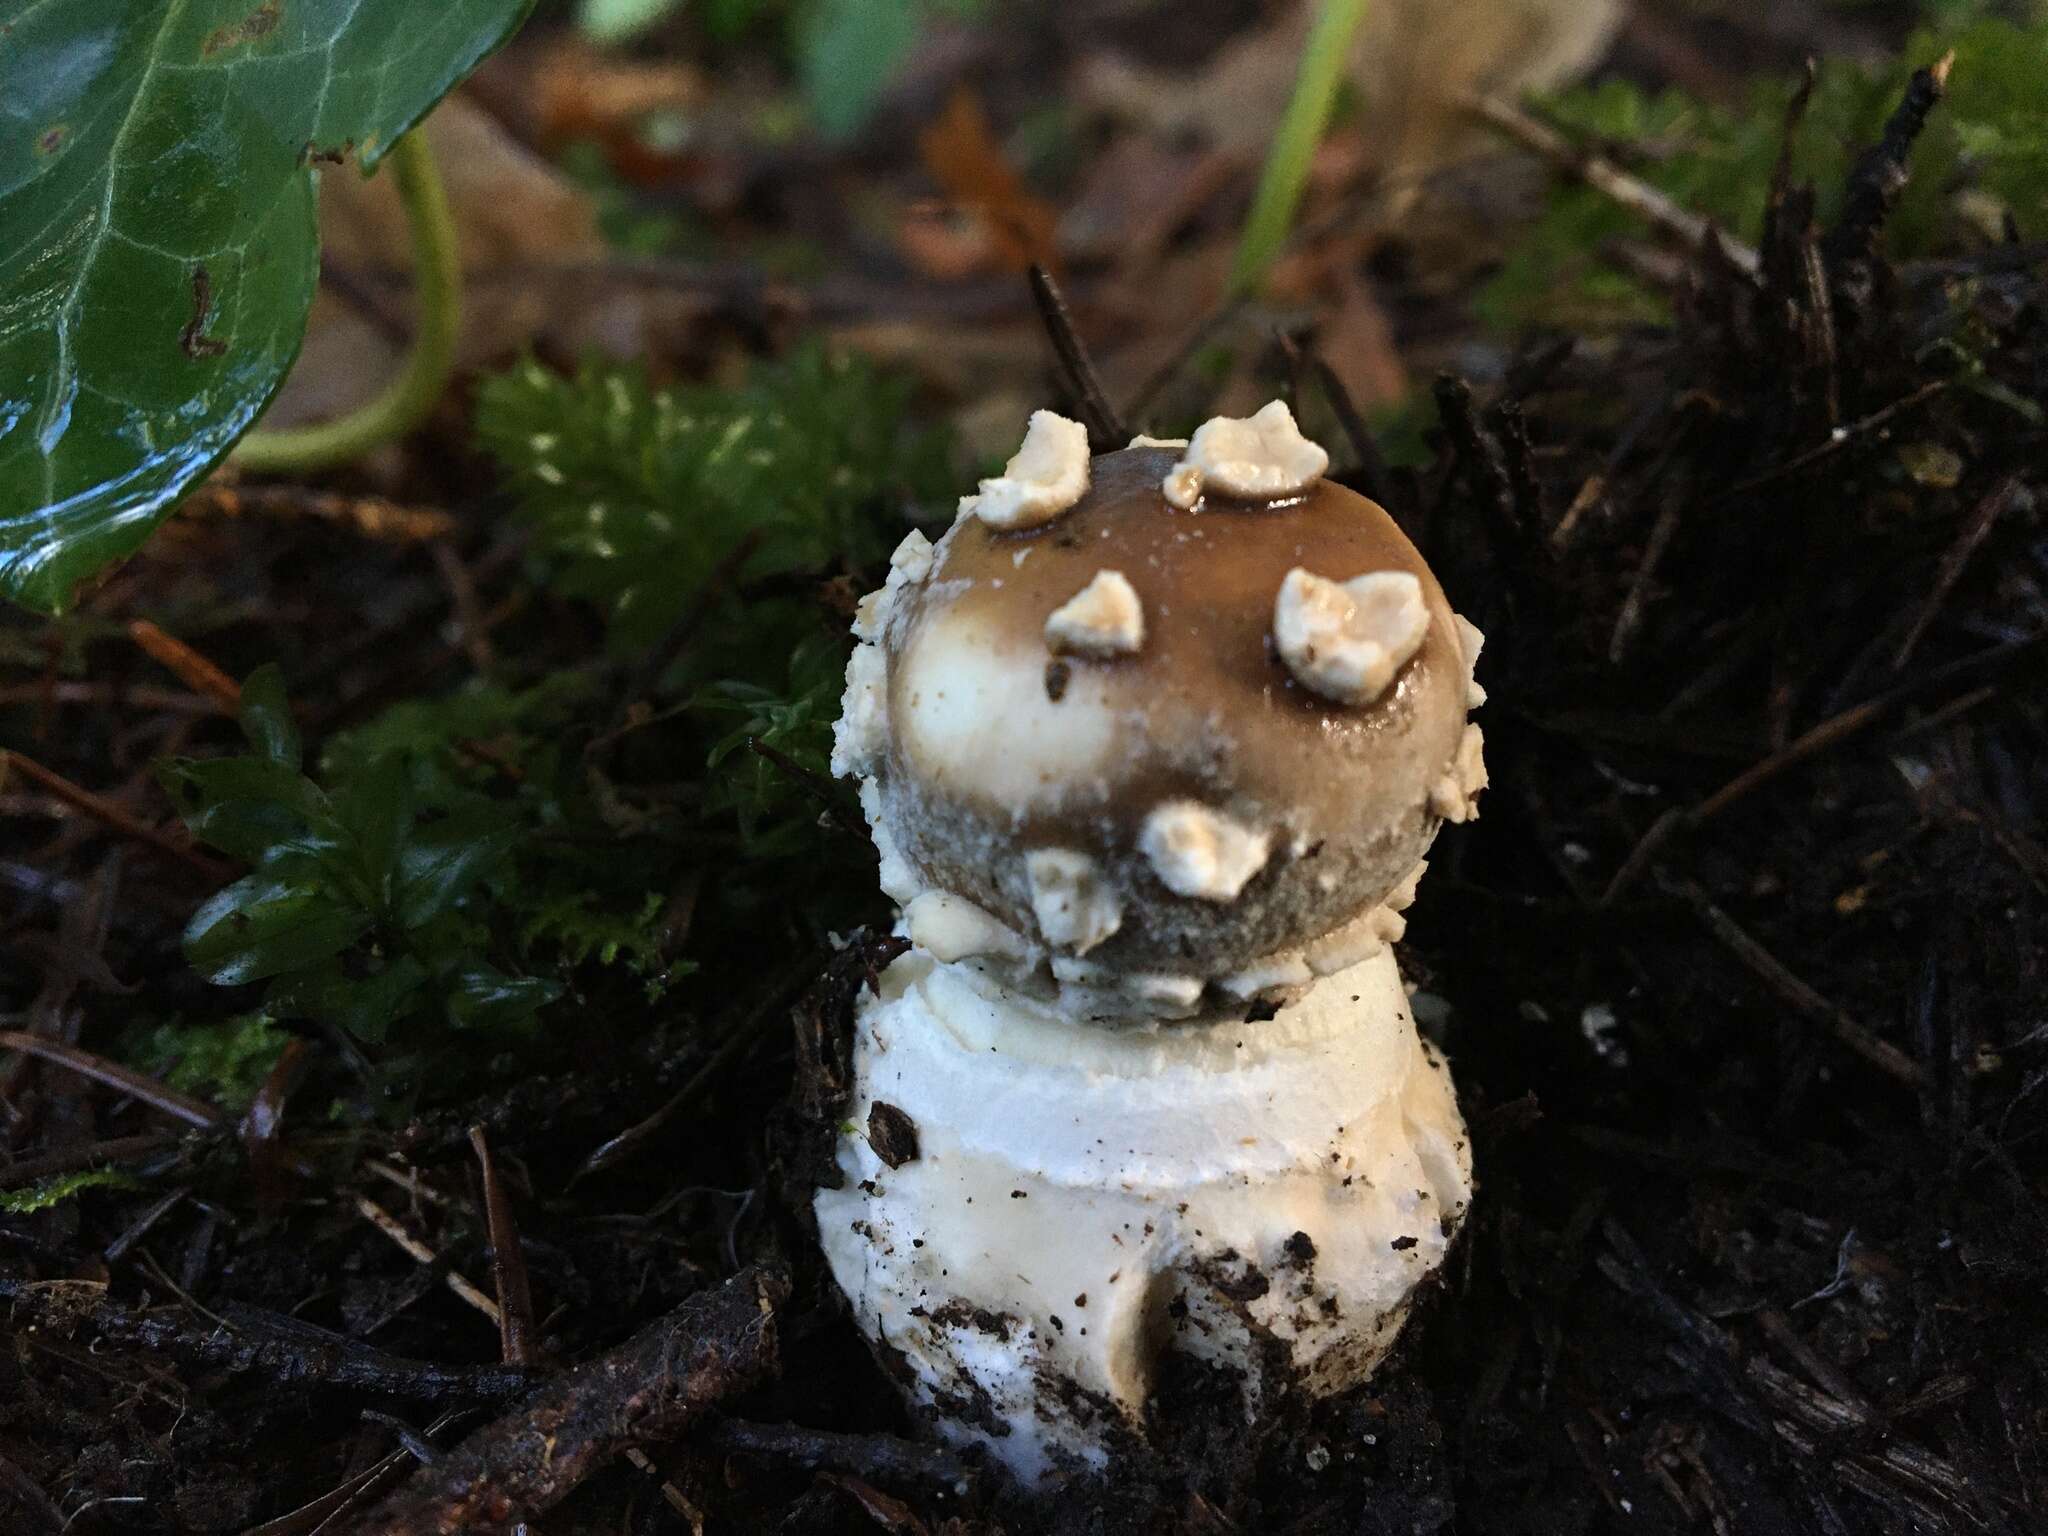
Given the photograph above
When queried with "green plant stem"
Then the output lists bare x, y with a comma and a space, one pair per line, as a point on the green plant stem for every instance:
1294, 145
406, 401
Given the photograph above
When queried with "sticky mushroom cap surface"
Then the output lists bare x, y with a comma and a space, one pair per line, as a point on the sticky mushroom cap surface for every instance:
998, 747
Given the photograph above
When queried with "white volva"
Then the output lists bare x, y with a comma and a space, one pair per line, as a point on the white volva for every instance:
1084, 1199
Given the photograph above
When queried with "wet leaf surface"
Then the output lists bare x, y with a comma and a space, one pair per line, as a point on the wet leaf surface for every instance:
158, 168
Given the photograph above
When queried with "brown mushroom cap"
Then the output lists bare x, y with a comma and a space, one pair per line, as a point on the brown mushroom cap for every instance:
997, 747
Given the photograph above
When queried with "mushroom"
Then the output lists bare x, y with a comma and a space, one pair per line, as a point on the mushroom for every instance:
1152, 801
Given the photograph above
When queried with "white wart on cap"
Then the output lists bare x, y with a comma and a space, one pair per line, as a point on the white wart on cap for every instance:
1347, 641
1252, 458
1045, 477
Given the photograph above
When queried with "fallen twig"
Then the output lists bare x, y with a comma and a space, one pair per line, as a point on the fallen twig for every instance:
374, 517
508, 1260
1604, 176
1975, 532
1836, 440
650, 1389
396, 1230
24, 1490
740, 1036
188, 665
151, 1092
312, 1518
1830, 733
1373, 476
282, 1354
106, 812
1802, 998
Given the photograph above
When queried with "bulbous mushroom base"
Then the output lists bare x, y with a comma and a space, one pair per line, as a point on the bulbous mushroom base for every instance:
1036, 1212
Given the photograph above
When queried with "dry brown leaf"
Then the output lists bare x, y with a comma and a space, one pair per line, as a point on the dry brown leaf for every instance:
962, 154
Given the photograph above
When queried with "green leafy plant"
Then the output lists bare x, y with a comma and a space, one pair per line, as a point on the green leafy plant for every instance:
158, 169
365, 907
225, 1060
1989, 133
637, 495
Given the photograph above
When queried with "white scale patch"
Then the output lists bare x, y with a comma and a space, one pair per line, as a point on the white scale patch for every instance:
1076, 908
1258, 457
1044, 478
1346, 641
1104, 618
1202, 853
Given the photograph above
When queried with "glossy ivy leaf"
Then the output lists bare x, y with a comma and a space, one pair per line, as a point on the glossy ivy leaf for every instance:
266, 717
284, 917
442, 862
365, 1005
158, 250
482, 997
249, 808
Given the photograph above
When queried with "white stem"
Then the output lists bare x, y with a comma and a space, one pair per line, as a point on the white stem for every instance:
1086, 1199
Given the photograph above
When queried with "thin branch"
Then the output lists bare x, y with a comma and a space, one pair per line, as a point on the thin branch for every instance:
1609, 179
1373, 476
740, 1036
508, 1260
373, 517
278, 1351
188, 665
819, 789
1859, 718
1975, 532
652, 1388
1104, 425
105, 811
397, 1231
883, 1458
1800, 997
25, 1491
1830, 733
157, 1095
1838, 439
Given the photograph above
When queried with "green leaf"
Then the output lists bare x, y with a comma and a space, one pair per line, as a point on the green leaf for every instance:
375, 810
482, 997
157, 186
266, 716
847, 52
365, 1006
443, 861
282, 918
246, 806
